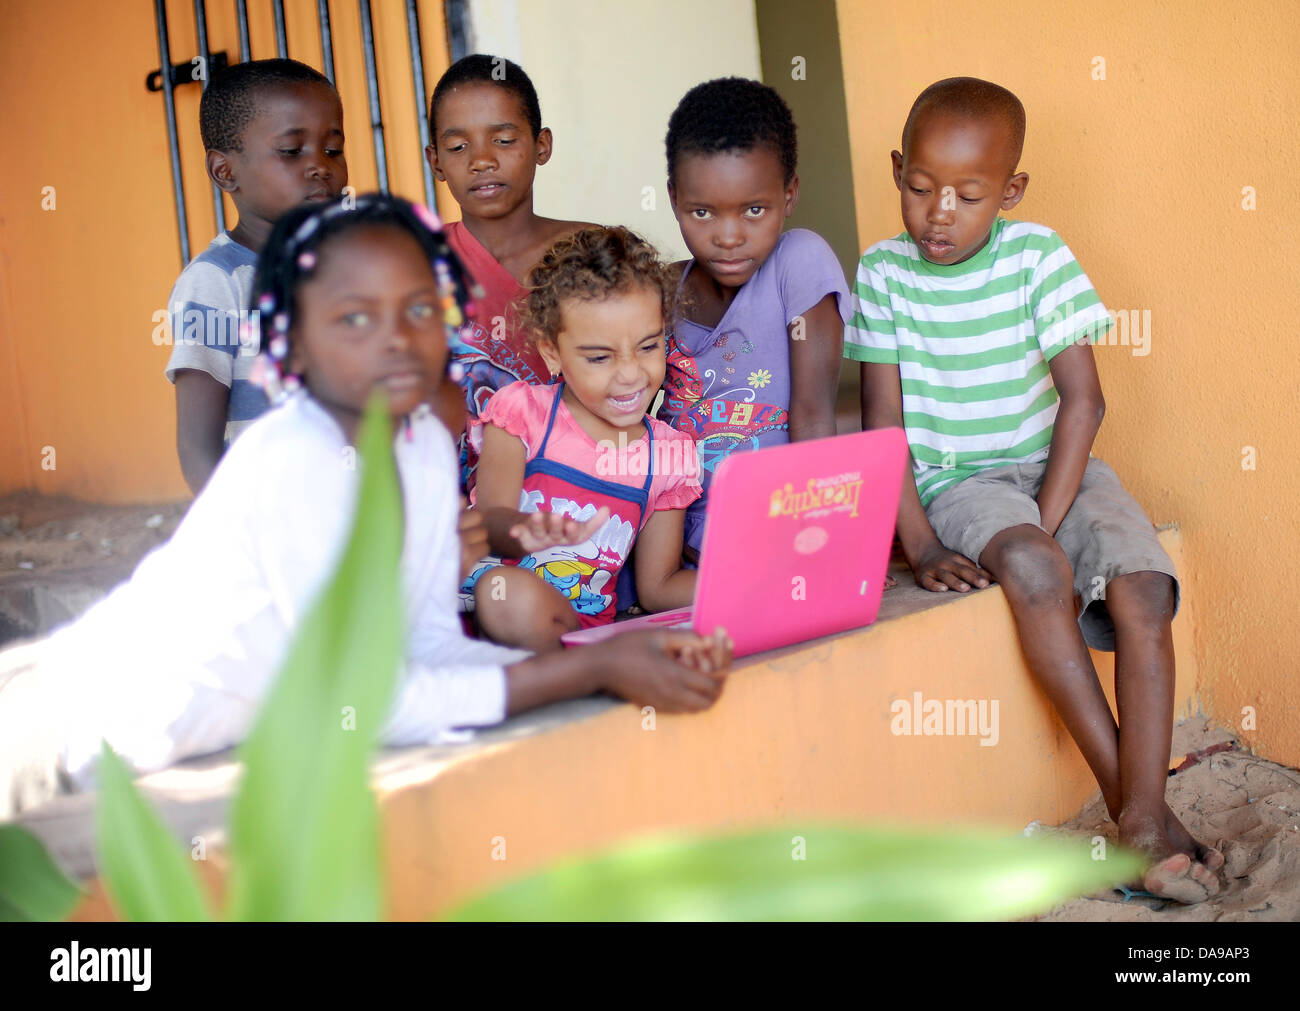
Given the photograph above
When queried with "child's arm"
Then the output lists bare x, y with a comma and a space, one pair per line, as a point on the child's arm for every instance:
933, 565
201, 406
816, 346
511, 533
1074, 371
674, 671
473, 538
661, 582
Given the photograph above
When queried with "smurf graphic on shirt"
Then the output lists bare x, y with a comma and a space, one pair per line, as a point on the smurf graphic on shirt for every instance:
586, 573
567, 575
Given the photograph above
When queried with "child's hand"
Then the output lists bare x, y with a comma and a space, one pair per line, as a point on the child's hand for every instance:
671, 671
542, 530
939, 569
473, 538
711, 655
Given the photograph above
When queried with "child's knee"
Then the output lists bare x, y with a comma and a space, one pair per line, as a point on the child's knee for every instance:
504, 594
1030, 565
514, 607
1141, 599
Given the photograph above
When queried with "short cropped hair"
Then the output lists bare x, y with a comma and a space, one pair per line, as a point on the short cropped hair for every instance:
230, 102
732, 114
971, 98
480, 68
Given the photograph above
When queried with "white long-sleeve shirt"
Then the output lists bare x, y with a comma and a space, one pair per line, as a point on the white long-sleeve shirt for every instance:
174, 662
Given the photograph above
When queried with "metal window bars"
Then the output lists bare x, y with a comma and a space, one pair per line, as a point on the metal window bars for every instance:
421, 98
326, 37
241, 15
169, 103
281, 39
372, 93
170, 76
201, 32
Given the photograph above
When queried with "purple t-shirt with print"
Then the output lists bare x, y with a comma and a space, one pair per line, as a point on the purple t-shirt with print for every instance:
729, 387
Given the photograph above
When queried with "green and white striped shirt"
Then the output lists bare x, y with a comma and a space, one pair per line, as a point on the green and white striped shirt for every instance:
972, 342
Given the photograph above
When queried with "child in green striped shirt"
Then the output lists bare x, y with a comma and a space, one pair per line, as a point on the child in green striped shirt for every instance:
974, 334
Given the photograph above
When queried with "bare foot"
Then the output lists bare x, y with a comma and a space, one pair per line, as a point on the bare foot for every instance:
1174, 874
1175, 878
1185, 842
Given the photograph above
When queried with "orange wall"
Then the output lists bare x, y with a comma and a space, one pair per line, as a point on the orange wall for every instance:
802, 736
1142, 173
79, 371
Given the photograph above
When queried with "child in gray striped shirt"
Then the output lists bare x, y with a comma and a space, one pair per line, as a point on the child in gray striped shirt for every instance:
273, 130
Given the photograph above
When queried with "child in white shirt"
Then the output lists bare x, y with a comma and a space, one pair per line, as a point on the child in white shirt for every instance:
353, 296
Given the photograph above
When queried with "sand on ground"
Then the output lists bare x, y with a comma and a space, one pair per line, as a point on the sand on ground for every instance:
1245, 805
58, 555
40, 533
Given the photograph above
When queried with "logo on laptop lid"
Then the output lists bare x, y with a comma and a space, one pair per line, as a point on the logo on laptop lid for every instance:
822, 496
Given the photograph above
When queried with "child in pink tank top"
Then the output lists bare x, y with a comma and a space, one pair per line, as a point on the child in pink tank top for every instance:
573, 474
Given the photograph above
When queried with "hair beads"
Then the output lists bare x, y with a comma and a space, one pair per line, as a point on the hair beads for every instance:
450, 308
291, 255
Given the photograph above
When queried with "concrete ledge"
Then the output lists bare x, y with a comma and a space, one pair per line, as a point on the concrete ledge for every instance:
803, 732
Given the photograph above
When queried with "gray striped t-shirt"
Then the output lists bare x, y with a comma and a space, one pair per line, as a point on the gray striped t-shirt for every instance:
972, 342
207, 304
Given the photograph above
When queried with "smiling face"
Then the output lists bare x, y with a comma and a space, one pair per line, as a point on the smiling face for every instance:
731, 207
612, 356
292, 152
485, 150
954, 180
368, 318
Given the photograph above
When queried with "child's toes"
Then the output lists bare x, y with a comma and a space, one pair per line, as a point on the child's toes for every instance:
1174, 878
1205, 876
1210, 857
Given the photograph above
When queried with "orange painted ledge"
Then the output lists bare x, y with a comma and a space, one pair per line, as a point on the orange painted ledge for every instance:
801, 733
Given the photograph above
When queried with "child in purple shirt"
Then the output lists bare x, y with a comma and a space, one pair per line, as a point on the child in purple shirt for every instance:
753, 356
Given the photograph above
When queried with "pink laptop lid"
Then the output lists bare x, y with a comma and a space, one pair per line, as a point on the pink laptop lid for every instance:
797, 539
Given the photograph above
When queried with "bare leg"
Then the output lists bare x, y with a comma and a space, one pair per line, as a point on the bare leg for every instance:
1037, 580
1141, 605
1039, 585
516, 608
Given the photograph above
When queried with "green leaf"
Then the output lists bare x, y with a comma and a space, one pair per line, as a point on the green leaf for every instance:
844, 874
31, 885
304, 828
148, 875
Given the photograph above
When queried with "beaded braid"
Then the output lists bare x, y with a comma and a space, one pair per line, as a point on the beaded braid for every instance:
291, 254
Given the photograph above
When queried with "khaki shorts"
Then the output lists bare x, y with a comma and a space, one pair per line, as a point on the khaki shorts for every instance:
1105, 534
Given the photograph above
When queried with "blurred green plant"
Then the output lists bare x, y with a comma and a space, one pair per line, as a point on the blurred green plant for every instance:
304, 841
31, 886
831, 872
148, 876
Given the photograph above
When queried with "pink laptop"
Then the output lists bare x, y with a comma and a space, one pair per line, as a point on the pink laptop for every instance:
796, 543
